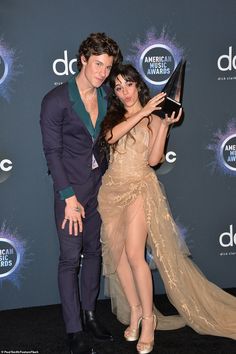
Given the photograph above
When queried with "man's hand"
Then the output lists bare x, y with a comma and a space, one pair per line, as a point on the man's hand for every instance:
74, 212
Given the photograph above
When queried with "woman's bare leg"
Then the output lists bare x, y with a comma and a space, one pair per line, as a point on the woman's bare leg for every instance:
127, 282
133, 271
135, 250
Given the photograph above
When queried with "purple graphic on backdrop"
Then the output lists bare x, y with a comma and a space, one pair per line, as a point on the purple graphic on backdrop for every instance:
8, 69
13, 258
184, 234
224, 149
155, 58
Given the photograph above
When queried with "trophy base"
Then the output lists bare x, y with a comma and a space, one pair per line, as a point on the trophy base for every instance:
171, 106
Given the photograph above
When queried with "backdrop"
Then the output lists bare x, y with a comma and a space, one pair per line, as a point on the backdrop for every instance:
38, 43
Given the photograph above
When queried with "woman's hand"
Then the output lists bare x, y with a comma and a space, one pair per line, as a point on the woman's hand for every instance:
153, 104
171, 119
74, 212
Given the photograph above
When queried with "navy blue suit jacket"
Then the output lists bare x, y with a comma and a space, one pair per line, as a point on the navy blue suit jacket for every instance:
68, 144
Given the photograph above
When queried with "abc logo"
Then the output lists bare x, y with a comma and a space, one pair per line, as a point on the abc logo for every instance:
171, 156
228, 239
168, 164
227, 61
5, 165
5, 169
64, 66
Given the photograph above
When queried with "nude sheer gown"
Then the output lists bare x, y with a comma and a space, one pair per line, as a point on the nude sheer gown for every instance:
128, 184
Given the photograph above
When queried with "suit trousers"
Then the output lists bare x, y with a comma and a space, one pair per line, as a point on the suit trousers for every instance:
80, 256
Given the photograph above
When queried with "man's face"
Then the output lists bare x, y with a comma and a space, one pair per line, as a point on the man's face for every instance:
97, 68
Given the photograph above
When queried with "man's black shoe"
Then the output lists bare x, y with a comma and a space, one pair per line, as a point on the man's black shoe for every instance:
92, 326
77, 344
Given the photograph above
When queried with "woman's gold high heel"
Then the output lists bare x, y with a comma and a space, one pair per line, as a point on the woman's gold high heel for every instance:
144, 347
132, 334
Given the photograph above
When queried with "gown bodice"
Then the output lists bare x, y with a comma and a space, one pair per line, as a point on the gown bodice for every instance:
130, 157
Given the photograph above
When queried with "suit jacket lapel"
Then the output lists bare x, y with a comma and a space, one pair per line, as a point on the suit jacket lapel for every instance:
79, 108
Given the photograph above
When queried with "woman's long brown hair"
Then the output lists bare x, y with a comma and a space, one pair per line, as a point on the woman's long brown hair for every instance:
116, 111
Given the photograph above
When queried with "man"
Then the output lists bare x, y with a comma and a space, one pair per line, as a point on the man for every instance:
71, 115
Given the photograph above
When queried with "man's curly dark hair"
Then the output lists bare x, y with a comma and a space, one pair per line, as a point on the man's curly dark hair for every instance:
97, 44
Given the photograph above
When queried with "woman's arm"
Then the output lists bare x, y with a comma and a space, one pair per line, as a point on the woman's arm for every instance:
159, 129
124, 127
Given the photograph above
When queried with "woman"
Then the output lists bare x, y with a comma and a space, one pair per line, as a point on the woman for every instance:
134, 211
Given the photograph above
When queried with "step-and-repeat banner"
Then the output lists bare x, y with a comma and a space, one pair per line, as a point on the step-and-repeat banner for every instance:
38, 42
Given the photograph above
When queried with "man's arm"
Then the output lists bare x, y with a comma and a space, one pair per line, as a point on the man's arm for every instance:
51, 122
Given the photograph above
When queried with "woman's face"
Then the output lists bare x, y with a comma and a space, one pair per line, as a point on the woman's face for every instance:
127, 92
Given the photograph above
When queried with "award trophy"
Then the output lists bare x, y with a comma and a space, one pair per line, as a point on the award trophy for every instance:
174, 91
